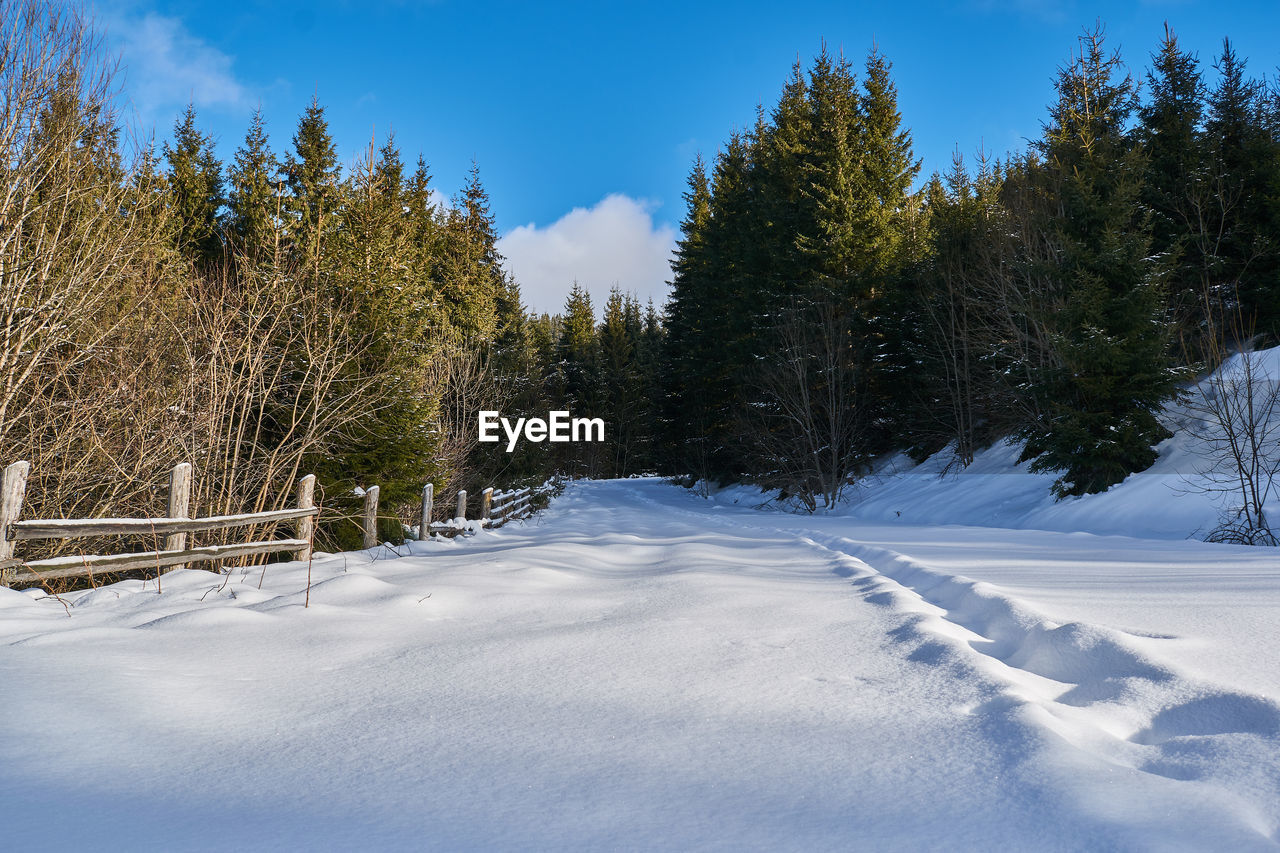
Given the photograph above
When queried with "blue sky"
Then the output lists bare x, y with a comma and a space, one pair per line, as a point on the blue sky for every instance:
585, 117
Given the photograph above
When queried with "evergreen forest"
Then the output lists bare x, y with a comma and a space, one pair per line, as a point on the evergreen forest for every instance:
289, 312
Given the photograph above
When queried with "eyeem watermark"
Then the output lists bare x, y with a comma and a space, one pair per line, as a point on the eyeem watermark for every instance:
558, 427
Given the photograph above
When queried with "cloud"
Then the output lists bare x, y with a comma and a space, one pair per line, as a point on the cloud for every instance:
614, 242
166, 66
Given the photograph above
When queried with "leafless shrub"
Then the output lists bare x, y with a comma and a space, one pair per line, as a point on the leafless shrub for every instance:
1237, 410
457, 376
804, 432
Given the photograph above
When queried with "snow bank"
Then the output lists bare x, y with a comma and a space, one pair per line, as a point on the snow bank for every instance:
1167, 501
640, 668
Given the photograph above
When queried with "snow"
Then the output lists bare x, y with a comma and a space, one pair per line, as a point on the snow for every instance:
1173, 499
641, 668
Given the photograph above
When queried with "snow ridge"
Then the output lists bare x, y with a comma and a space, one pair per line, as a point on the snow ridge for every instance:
1095, 688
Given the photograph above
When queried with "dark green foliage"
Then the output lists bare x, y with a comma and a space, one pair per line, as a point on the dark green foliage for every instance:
468, 274
1110, 375
253, 200
807, 213
195, 189
1170, 134
1036, 299
1243, 174
311, 174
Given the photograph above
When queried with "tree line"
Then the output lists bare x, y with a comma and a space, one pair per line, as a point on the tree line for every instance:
275, 315
285, 313
825, 312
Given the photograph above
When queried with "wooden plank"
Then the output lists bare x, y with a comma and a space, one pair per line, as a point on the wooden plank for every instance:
79, 528
486, 503
70, 566
9, 571
179, 505
13, 488
424, 523
370, 525
306, 528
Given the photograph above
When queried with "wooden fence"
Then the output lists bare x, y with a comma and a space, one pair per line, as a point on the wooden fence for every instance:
496, 510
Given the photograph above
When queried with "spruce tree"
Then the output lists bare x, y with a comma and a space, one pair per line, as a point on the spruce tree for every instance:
1244, 167
469, 274
1102, 392
889, 168
578, 357
253, 200
311, 174
1175, 185
195, 188
681, 424
620, 380
729, 306
367, 267
420, 209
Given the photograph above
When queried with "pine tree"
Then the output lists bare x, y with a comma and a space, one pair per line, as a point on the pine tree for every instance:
729, 305
195, 186
578, 356
1109, 379
1169, 132
470, 276
311, 174
420, 209
682, 423
1244, 167
620, 379
889, 167
578, 351
783, 209
367, 268
253, 199
833, 179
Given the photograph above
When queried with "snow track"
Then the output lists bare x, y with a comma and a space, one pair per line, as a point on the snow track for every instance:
641, 669
1100, 689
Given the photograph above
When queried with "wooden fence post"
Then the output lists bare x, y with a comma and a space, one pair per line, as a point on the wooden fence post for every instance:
307, 524
371, 517
179, 507
462, 505
424, 525
486, 505
13, 488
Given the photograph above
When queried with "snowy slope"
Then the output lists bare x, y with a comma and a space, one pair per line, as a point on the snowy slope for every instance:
1166, 501
638, 668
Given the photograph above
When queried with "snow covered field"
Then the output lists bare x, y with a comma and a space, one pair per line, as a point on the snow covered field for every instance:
639, 668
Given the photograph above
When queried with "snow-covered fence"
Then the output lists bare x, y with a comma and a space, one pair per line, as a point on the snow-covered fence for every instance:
175, 528
506, 506
496, 509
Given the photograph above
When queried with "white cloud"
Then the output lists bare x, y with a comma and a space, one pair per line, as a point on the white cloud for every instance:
166, 66
614, 242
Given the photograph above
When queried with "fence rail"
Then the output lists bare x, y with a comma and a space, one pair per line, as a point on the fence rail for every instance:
78, 528
496, 509
507, 506
175, 529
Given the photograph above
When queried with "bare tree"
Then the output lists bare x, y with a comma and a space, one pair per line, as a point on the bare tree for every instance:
1237, 409
458, 377
71, 222
804, 432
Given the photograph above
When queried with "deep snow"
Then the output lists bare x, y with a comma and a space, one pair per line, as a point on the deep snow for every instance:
640, 668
